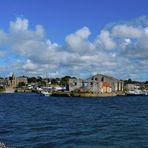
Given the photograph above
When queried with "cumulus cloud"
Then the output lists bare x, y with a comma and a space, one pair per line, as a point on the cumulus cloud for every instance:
3, 38
78, 41
30, 66
19, 25
120, 50
127, 31
105, 40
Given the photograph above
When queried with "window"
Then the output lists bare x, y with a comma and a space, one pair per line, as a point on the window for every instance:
75, 83
85, 84
102, 79
96, 79
91, 83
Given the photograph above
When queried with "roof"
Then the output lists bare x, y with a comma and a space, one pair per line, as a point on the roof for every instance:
109, 77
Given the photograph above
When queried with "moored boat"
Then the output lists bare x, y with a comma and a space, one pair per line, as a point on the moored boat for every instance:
46, 93
135, 92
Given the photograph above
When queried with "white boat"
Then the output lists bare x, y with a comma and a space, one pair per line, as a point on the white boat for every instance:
145, 92
45, 93
135, 92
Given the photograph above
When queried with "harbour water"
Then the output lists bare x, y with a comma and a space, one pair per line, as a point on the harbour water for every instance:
28, 120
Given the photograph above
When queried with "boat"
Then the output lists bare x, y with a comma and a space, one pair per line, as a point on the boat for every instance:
135, 92
45, 93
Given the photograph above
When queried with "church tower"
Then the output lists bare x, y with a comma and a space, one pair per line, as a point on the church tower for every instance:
13, 81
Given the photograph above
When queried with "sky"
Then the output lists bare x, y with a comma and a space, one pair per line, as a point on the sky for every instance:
74, 37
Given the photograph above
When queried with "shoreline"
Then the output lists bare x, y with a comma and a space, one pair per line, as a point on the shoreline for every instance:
77, 94
85, 94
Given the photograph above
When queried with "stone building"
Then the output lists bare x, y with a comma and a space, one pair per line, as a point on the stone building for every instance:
97, 84
14, 81
74, 84
103, 83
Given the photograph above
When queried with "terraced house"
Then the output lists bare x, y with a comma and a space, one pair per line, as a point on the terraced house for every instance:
98, 84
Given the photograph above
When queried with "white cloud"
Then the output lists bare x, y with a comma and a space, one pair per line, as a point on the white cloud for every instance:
127, 31
78, 41
19, 25
3, 38
105, 40
40, 31
29, 66
121, 50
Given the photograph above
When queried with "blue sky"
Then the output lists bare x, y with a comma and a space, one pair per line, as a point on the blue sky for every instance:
61, 17
76, 31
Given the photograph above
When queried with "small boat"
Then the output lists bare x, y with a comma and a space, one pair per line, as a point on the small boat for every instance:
135, 92
145, 92
45, 93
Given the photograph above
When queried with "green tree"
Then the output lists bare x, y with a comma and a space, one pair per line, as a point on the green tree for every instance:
65, 80
42, 83
54, 81
32, 80
39, 79
21, 84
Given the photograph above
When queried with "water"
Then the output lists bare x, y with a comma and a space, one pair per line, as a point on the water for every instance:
28, 120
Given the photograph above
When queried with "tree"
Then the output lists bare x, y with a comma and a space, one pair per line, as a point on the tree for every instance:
65, 80
54, 81
129, 80
42, 83
39, 79
21, 84
32, 80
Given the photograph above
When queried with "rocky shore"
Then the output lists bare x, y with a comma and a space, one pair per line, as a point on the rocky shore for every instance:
86, 94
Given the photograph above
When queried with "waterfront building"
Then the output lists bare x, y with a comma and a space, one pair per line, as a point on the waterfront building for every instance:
96, 84
74, 84
14, 81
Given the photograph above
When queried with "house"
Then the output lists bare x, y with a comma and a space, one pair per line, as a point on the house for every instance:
97, 84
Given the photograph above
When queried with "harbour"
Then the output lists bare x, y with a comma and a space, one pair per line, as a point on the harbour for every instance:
98, 85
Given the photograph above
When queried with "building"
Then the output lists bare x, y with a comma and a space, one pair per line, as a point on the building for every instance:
97, 84
74, 84
14, 81
132, 86
3, 82
102, 83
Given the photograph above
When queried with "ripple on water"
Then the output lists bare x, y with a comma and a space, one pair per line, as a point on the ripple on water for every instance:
30, 120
